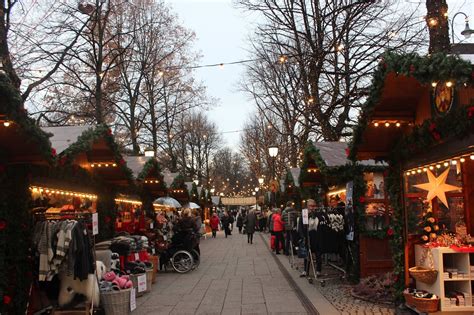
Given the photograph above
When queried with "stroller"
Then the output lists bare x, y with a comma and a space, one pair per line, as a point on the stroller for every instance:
181, 252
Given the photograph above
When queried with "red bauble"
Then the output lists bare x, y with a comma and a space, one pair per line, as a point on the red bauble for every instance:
122, 161
3, 225
361, 199
7, 299
390, 232
53, 152
432, 127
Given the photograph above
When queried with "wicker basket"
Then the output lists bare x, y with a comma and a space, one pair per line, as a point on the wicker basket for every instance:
155, 261
424, 274
116, 302
134, 279
409, 299
426, 305
149, 279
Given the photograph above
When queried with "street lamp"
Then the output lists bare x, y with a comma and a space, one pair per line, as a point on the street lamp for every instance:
213, 190
467, 32
273, 151
256, 197
260, 180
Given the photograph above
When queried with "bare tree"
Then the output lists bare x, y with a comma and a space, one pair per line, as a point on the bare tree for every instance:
314, 58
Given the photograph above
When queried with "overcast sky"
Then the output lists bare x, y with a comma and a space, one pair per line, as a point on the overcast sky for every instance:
222, 31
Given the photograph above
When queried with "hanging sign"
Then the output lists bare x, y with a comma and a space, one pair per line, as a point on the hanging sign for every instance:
141, 283
304, 215
95, 223
133, 300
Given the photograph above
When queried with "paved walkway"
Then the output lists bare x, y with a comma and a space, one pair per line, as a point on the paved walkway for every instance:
233, 278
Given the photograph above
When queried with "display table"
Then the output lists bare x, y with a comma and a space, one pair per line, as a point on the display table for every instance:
454, 275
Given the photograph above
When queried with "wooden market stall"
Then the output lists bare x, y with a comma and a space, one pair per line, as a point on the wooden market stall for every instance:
24, 148
419, 118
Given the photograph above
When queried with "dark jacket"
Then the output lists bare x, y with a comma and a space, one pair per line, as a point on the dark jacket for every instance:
288, 217
240, 220
250, 221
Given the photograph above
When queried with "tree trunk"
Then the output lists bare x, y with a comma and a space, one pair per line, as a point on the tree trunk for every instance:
4, 50
438, 26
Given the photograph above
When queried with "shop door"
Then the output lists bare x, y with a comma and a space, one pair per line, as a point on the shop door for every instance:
375, 256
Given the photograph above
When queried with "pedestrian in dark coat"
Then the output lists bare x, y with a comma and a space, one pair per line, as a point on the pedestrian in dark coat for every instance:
225, 220
250, 221
240, 222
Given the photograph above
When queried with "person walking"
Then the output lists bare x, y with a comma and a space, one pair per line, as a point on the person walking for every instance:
225, 223
288, 217
250, 222
240, 222
214, 222
278, 227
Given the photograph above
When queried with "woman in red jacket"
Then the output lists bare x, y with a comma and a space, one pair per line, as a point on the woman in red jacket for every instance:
278, 227
214, 222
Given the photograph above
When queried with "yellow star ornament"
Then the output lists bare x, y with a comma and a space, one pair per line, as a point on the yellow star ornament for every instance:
437, 187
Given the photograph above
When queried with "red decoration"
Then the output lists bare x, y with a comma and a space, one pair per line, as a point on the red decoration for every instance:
7, 299
109, 131
470, 112
348, 152
122, 162
3, 225
361, 199
53, 152
434, 133
390, 232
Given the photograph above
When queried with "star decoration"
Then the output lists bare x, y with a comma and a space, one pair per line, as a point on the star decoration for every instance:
437, 187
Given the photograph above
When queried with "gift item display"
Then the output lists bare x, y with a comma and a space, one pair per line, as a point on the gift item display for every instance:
130, 217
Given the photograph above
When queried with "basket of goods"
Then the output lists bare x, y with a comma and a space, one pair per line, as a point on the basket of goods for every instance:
424, 274
135, 279
426, 302
116, 302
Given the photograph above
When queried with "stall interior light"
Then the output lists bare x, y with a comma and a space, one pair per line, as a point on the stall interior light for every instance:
388, 123
177, 190
336, 192
130, 201
446, 163
312, 170
104, 164
54, 191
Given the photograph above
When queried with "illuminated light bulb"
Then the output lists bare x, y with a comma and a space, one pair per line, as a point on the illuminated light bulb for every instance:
413, 172
462, 160
161, 73
472, 157
47, 190
340, 47
431, 167
445, 163
425, 169
418, 171
92, 165
376, 124
310, 100
449, 84
387, 124
438, 166
106, 165
454, 162
99, 165
114, 165
433, 84
433, 22
6, 124
282, 59
397, 124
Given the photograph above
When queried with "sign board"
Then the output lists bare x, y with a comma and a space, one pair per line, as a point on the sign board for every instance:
133, 300
141, 283
304, 215
137, 257
95, 223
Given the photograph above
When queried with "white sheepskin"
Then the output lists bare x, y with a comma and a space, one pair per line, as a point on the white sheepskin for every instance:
89, 288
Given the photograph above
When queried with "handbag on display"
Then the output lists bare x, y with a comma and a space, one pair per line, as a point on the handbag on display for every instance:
302, 251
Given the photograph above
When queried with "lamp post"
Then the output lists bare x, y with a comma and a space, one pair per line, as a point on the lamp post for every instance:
273, 152
256, 197
467, 32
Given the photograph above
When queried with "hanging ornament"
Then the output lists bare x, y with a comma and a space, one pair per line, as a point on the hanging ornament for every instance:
437, 187
7, 299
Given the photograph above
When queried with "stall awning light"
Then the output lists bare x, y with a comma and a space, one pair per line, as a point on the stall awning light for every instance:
130, 201
446, 163
104, 164
54, 191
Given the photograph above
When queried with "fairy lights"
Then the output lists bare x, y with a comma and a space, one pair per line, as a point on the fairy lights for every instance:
312, 170
388, 123
54, 191
444, 163
130, 201
151, 181
103, 164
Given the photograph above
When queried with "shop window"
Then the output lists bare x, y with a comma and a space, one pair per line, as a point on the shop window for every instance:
377, 209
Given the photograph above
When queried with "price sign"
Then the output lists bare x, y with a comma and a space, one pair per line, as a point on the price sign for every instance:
133, 300
151, 225
304, 215
137, 257
95, 223
141, 283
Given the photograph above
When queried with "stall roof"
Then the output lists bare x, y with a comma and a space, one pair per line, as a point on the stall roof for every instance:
21, 140
401, 92
63, 137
